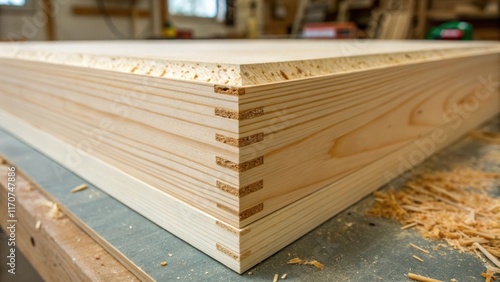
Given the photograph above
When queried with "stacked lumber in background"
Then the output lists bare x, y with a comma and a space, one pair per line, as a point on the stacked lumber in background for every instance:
241, 147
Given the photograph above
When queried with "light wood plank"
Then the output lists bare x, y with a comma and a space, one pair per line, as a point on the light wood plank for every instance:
330, 112
231, 168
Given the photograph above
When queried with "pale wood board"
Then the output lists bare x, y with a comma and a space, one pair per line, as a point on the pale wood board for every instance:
351, 245
137, 243
292, 122
267, 235
152, 142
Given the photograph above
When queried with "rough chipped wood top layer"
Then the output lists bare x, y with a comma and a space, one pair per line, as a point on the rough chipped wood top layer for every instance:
240, 62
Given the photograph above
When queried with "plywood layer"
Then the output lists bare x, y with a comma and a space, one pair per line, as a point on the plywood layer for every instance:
287, 136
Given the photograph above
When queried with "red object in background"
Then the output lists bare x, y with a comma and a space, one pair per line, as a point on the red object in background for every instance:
329, 30
184, 34
452, 34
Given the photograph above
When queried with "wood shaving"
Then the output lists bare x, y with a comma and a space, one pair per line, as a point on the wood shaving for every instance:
422, 278
283, 276
46, 203
453, 205
313, 262
79, 188
419, 248
275, 279
408, 226
417, 258
489, 276
55, 211
487, 254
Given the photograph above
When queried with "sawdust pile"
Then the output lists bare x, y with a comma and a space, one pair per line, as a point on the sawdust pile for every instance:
454, 206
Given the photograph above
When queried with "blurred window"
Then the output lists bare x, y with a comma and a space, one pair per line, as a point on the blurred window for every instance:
194, 8
13, 2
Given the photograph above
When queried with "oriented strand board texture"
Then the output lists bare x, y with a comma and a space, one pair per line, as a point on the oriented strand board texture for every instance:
240, 62
232, 145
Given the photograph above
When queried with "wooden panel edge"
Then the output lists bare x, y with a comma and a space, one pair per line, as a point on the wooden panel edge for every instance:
90, 167
245, 213
241, 192
240, 142
232, 254
243, 115
241, 167
228, 90
231, 229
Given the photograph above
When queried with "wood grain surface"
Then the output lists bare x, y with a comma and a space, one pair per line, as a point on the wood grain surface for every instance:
233, 166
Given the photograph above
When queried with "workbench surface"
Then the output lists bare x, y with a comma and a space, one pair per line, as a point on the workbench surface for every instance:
351, 245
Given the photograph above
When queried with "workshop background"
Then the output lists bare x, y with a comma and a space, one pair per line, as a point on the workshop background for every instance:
59, 20
162, 19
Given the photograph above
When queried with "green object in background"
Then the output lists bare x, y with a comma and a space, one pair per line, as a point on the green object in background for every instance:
454, 30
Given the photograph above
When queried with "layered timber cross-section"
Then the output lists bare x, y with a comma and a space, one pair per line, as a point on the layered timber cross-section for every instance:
240, 148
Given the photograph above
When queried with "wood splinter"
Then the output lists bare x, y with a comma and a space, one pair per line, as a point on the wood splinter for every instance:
409, 226
314, 262
419, 248
488, 275
487, 254
79, 188
417, 258
55, 211
421, 278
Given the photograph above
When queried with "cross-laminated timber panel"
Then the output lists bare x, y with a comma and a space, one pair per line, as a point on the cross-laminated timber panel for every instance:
245, 160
